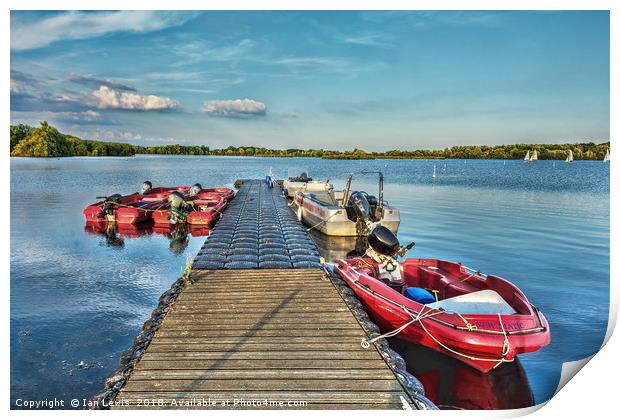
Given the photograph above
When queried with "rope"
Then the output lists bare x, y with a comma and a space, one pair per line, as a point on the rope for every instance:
320, 223
420, 315
366, 343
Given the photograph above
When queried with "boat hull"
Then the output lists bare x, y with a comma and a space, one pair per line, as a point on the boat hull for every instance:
333, 220
209, 205
135, 208
479, 342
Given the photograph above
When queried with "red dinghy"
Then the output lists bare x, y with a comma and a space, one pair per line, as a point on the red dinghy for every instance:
130, 209
480, 320
202, 207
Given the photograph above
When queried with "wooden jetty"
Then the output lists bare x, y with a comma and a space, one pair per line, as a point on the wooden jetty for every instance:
260, 332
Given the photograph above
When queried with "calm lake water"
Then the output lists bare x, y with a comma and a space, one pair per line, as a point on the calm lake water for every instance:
78, 299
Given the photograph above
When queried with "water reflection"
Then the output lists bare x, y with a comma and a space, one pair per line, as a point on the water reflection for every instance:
114, 234
334, 248
452, 384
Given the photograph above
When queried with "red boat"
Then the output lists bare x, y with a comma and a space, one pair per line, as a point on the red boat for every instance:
202, 209
140, 206
130, 209
483, 321
226, 193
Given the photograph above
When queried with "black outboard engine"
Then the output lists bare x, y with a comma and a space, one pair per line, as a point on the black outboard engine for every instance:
384, 249
358, 208
146, 188
109, 204
303, 177
383, 241
195, 189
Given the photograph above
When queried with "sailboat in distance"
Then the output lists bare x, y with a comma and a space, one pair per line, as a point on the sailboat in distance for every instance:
531, 157
569, 158
606, 158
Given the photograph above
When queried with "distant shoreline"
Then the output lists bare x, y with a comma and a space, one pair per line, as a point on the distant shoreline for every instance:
47, 142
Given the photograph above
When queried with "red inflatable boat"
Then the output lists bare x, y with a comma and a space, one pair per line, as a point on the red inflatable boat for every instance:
480, 320
140, 206
202, 209
130, 209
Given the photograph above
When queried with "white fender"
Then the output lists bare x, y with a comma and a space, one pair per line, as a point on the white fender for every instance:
299, 210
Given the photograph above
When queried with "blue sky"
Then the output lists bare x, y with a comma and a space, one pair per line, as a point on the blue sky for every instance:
375, 80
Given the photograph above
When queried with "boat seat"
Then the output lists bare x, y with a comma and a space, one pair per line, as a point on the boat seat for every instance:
457, 288
480, 302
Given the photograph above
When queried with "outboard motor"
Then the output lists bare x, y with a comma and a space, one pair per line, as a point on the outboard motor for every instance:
179, 208
303, 177
195, 189
109, 204
385, 249
146, 188
358, 208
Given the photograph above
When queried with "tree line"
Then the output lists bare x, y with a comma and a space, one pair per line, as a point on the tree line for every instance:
47, 141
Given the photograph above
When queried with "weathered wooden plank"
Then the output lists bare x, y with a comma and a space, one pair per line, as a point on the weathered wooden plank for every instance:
315, 384
201, 331
257, 340
259, 279
153, 354
243, 364
255, 304
242, 299
242, 346
266, 311
339, 396
287, 318
271, 373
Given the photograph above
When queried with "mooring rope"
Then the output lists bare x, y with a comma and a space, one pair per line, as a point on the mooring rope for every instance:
420, 315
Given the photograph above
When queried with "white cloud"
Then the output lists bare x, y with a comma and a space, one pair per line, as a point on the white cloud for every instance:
114, 99
369, 40
234, 108
130, 136
81, 25
195, 51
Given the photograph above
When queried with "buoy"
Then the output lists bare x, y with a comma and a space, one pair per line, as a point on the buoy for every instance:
434, 174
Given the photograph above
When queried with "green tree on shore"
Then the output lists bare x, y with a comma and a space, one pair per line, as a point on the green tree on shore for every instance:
47, 141
44, 141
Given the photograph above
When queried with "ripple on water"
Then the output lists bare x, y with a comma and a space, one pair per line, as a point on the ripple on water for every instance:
75, 298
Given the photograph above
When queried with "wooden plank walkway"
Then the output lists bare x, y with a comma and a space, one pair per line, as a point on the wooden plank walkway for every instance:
275, 335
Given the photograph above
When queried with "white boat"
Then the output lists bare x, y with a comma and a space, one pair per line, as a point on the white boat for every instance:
531, 157
569, 158
345, 213
606, 158
303, 183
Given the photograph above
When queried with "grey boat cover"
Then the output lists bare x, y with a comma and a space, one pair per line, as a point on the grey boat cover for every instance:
482, 302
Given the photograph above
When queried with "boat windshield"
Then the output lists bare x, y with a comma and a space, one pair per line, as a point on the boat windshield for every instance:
298, 174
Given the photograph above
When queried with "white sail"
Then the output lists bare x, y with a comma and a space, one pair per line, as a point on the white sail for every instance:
569, 158
534, 156
606, 158
527, 156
